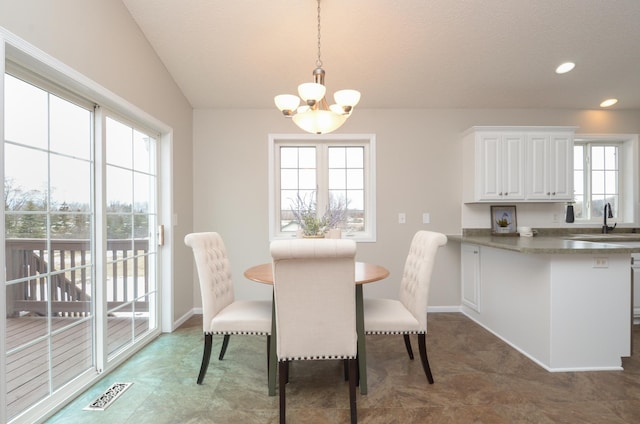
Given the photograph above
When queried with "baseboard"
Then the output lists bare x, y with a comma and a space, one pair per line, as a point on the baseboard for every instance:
535, 360
185, 317
439, 309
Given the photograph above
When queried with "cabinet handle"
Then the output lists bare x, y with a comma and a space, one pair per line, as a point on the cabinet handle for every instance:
554, 193
548, 194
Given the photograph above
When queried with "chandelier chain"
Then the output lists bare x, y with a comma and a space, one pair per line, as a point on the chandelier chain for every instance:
319, 61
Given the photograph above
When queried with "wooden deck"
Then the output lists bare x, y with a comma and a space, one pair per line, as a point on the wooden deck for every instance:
28, 379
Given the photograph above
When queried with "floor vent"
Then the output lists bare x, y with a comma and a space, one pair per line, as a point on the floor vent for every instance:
108, 397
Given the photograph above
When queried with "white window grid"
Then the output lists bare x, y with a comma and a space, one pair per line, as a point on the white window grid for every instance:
316, 179
597, 172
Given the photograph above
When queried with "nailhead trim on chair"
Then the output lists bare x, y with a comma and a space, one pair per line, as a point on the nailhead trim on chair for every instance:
245, 333
313, 358
395, 332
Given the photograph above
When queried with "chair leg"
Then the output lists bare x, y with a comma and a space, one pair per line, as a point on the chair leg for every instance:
422, 344
357, 370
223, 349
353, 367
282, 383
206, 355
407, 344
268, 355
347, 369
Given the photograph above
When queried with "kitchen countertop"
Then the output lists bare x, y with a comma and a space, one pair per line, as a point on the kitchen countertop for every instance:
550, 243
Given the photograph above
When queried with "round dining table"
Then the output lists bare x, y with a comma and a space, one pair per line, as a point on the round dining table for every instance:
365, 273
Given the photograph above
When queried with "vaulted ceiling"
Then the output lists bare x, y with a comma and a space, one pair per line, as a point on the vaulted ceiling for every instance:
400, 53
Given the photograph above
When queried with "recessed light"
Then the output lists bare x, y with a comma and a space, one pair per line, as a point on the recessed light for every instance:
565, 67
609, 102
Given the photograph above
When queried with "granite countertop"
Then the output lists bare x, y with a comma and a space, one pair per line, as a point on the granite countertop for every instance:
554, 241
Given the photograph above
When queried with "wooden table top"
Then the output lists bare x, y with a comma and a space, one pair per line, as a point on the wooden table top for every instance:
365, 273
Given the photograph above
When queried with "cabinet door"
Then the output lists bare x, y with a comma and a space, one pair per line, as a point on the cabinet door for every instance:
561, 166
538, 175
489, 165
470, 272
501, 167
513, 154
550, 158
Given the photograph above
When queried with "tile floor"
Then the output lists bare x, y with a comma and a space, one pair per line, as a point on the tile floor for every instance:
478, 379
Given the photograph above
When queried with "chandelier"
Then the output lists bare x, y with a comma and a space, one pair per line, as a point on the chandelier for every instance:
315, 115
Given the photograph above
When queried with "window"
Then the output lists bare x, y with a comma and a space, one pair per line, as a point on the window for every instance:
334, 171
604, 172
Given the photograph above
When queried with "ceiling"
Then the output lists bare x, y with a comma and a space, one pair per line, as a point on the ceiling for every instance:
400, 53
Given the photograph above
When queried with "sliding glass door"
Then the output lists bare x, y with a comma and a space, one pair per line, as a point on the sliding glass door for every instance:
131, 221
80, 189
48, 242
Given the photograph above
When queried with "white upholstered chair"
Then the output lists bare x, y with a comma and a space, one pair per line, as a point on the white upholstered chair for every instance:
222, 314
314, 291
408, 315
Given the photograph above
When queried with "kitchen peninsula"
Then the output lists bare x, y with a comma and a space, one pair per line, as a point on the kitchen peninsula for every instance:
562, 301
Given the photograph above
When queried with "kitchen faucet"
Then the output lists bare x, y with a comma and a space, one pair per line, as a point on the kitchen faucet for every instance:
605, 228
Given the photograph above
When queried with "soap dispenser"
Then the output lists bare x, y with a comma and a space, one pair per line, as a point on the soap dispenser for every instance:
570, 216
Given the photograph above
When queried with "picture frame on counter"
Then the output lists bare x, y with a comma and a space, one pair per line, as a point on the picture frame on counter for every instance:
504, 220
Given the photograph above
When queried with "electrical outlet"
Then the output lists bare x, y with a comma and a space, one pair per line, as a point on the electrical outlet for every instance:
426, 218
402, 218
600, 262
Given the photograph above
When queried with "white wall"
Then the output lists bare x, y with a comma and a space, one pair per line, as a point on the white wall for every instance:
99, 39
419, 170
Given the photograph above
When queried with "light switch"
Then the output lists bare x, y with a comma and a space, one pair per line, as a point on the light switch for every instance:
426, 218
402, 218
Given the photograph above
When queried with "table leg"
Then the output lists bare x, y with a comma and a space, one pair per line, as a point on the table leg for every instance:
273, 356
362, 347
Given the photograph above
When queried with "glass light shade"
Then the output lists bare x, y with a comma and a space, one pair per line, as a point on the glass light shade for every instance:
311, 91
319, 121
336, 108
287, 102
347, 97
303, 109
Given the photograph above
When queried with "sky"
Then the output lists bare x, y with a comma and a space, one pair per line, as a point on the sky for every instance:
50, 140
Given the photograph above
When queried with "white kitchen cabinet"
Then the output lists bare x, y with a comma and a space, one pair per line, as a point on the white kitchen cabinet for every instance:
550, 161
517, 164
470, 273
550, 306
496, 170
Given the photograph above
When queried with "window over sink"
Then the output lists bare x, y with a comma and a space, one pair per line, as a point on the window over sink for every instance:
605, 172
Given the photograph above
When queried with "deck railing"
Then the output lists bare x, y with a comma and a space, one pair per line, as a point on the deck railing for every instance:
62, 276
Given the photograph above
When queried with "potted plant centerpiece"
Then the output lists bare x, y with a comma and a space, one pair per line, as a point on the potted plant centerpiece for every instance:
311, 223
